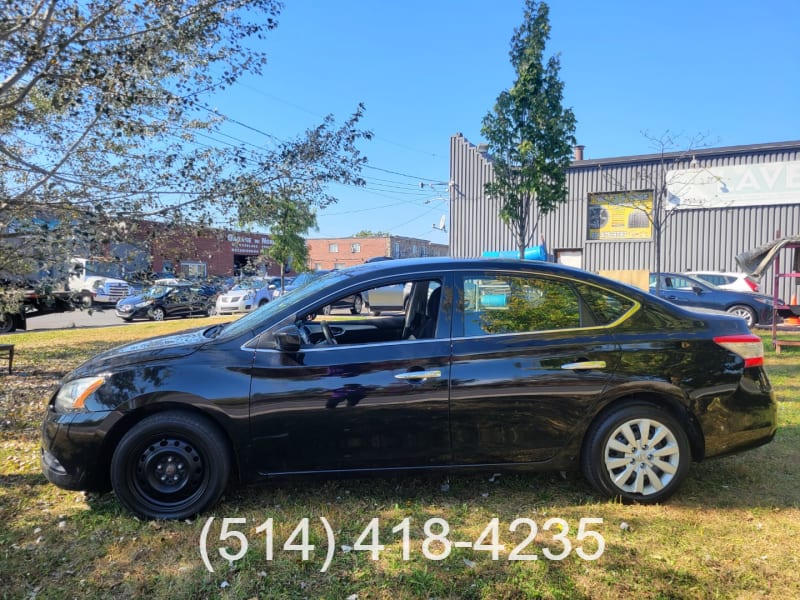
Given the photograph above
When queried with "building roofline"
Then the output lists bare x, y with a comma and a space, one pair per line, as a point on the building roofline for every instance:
688, 153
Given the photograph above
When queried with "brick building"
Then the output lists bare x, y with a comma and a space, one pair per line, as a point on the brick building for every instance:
338, 253
202, 252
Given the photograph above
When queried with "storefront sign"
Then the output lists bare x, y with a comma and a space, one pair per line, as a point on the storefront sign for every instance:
736, 185
249, 244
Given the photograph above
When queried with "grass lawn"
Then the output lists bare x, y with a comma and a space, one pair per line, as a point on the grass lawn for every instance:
731, 532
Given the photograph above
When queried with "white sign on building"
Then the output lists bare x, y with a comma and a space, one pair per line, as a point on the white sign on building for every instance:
736, 185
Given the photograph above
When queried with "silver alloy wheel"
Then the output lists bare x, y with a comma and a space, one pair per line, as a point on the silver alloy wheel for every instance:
745, 312
158, 314
641, 456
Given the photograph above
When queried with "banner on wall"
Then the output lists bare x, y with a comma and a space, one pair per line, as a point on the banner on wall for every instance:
735, 185
620, 216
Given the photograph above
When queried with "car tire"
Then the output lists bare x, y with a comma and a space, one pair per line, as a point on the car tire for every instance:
638, 453
263, 302
171, 465
358, 305
7, 323
745, 312
85, 299
157, 314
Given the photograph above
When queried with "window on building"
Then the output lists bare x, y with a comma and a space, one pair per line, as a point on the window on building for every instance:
318, 266
396, 250
333, 247
339, 265
355, 247
193, 270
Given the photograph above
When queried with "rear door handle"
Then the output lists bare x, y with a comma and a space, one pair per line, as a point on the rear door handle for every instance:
419, 375
586, 365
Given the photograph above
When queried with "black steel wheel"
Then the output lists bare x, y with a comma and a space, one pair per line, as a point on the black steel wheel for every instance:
639, 453
7, 324
171, 465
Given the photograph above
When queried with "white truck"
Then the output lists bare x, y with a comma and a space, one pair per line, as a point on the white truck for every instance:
95, 281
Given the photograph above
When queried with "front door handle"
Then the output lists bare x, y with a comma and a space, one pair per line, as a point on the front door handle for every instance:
419, 375
586, 365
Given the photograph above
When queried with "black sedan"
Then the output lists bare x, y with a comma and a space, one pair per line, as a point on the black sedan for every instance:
693, 291
161, 301
493, 364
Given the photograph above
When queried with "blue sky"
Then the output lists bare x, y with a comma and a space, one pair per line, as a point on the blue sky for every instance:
725, 70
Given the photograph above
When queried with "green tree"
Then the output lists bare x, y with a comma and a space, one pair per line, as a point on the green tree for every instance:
292, 184
368, 233
105, 123
530, 134
291, 220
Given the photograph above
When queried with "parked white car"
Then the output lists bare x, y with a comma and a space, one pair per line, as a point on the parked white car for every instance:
739, 282
244, 297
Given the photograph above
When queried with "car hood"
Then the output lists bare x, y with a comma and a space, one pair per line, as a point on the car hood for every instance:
131, 300
154, 349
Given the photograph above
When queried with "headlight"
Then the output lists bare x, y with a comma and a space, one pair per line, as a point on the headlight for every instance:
73, 395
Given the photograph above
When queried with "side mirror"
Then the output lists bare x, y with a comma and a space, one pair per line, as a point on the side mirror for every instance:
697, 289
288, 339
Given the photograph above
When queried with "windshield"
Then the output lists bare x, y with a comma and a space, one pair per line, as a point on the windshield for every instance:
257, 319
157, 291
249, 284
102, 269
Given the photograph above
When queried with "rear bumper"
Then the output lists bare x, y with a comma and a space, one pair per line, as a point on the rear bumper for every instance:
745, 419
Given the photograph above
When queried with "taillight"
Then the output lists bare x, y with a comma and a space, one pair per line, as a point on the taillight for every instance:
748, 346
753, 285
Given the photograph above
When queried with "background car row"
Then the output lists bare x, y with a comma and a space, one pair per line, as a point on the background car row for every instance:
687, 290
158, 302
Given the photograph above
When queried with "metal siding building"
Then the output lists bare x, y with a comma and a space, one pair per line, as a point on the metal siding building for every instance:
697, 238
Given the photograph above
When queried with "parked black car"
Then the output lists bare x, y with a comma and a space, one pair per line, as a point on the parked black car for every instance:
493, 364
163, 301
692, 291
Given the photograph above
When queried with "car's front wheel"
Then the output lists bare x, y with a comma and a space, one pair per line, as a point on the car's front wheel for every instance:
638, 452
745, 312
157, 314
7, 324
171, 465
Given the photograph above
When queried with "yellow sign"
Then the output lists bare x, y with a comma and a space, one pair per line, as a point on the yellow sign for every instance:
620, 216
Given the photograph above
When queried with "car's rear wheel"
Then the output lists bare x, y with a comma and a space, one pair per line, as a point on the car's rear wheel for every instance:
745, 312
157, 314
358, 305
171, 465
638, 452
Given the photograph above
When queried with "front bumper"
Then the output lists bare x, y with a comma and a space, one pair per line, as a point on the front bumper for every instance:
72, 452
229, 307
